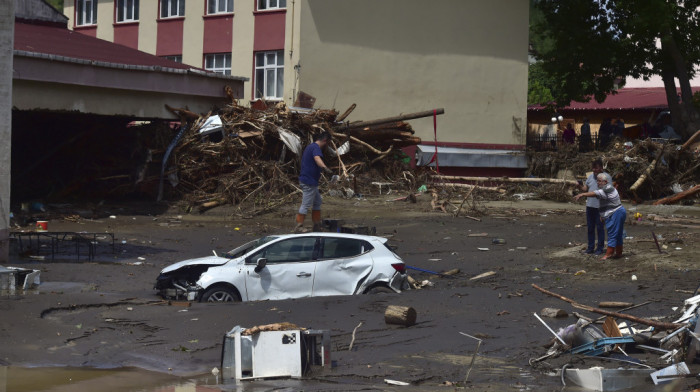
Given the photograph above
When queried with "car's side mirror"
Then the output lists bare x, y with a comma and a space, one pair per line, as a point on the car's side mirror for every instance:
260, 264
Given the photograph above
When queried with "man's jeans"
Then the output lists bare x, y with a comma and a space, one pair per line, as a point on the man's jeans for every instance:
594, 225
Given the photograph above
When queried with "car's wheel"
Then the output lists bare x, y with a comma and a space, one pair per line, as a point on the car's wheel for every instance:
220, 294
380, 290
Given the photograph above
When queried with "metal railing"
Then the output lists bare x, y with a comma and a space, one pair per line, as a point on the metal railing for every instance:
554, 142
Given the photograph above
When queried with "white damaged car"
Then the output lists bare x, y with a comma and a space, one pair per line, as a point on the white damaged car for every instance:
288, 266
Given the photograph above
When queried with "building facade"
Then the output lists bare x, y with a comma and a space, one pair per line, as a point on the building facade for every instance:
387, 56
248, 40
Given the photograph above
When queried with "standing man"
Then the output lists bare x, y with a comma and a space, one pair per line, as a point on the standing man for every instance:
593, 221
311, 166
612, 212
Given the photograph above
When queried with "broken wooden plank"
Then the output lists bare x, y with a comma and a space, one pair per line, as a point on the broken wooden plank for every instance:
614, 304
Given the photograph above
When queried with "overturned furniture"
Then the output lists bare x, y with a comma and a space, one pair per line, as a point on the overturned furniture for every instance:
274, 350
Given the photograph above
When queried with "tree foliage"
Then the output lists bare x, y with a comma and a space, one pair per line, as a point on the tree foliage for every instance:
57, 4
539, 86
587, 47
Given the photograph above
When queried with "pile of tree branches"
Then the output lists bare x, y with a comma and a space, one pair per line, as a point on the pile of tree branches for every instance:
255, 155
648, 171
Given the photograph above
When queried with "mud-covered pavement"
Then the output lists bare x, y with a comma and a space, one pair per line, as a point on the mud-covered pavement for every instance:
105, 313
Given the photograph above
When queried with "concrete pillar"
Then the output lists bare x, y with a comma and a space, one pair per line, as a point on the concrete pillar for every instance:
7, 33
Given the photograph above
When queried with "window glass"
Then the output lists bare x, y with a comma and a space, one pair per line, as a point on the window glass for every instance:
280, 82
218, 62
271, 4
287, 251
175, 58
269, 74
171, 8
181, 9
338, 248
86, 12
127, 10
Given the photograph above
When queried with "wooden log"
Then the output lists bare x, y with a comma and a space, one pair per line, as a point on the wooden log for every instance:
614, 304
404, 117
691, 140
469, 186
508, 179
678, 196
400, 315
639, 320
346, 113
648, 171
211, 204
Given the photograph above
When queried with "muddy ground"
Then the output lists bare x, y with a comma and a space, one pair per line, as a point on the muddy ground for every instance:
105, 314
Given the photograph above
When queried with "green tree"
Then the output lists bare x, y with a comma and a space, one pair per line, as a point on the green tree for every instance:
57, 4
539, 86
592, 44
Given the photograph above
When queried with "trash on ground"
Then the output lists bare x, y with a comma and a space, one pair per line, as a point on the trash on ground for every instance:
553, 313
619, 356
394, 382
484, 275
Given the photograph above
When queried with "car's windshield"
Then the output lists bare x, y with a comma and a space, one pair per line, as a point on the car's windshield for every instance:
243, 249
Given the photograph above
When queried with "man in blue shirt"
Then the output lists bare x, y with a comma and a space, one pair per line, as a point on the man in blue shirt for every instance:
311, 166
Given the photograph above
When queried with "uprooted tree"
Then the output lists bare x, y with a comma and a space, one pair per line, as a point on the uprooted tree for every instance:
587, 46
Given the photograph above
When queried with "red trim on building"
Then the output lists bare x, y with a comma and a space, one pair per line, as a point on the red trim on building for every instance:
479, 146
481, 172
218, 33
169, 41
269, 30
90, 31
127, 34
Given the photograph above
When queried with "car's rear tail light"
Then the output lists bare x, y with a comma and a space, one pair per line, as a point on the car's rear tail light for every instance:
400, 267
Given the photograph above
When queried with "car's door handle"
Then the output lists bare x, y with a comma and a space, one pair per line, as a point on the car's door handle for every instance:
303, 274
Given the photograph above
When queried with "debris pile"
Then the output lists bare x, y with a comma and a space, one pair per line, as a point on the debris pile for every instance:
245, 154
642, 170
622, 355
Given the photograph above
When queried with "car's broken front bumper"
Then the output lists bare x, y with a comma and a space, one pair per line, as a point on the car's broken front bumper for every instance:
169, 289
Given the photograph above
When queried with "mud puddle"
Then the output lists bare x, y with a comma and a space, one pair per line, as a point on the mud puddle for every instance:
18, 379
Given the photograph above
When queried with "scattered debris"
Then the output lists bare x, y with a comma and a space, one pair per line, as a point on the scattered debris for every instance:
354, 331
612, 349
484, 275
394, 382
553, 313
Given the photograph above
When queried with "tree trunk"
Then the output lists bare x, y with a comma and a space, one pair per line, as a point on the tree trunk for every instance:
686, 119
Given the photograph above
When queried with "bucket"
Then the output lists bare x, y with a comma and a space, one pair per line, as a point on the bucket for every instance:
42, 225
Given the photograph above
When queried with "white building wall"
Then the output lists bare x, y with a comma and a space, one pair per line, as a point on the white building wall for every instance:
7, 31
401, 56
